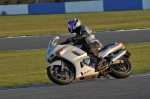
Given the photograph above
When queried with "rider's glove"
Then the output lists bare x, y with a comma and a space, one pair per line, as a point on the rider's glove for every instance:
73, 39
68, 40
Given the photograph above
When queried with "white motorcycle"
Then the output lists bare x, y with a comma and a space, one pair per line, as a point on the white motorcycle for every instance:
68, 63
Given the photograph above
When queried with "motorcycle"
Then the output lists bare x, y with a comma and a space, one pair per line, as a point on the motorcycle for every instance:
68, 63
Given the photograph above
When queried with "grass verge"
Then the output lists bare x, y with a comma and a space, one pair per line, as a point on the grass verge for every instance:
56, 23
28, 67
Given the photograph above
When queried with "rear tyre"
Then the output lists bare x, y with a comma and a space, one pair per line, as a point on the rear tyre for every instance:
121, 70
60, 77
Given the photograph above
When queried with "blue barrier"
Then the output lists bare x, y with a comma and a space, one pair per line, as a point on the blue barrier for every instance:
118, 5
46, 8
73, 7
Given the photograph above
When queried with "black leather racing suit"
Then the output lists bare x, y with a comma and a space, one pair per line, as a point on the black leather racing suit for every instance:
86, 38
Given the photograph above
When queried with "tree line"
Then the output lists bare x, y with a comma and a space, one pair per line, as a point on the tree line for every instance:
8, 2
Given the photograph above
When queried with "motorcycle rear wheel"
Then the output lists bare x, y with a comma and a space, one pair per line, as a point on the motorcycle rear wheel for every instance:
60, 77
122, 70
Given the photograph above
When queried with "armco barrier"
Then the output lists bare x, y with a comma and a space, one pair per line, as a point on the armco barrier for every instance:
84, 6
119, 5
14, 9
46, 8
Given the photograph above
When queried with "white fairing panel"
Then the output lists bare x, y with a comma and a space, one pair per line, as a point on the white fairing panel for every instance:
84, 71
72, 53
58, 62
76, 56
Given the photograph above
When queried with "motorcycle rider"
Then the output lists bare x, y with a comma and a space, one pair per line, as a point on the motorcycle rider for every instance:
86, 38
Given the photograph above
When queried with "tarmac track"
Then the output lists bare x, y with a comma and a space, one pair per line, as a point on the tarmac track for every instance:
38, 42
134, 87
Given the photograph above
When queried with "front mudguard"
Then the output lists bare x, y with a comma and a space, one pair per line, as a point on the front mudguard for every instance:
57, 62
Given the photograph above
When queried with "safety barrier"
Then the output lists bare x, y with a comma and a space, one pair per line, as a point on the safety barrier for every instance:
13, 9
87, 6
119, 5
46, 8
74, 7
146, 4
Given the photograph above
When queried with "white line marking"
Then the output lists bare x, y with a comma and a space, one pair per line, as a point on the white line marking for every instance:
71, 34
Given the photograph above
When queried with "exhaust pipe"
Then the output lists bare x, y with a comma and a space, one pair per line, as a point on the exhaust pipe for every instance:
112, 48
118, 55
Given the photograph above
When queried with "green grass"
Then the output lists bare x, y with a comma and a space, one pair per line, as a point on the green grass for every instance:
23, 68
56, 23
29, 67
140, 57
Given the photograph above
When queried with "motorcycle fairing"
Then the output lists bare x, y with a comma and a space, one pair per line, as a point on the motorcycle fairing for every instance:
75, 56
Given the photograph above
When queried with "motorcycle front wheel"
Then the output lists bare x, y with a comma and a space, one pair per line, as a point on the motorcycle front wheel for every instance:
60, 77
121, 70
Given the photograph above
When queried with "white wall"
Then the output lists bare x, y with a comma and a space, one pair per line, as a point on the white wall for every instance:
14, 9
84, 6
146, 4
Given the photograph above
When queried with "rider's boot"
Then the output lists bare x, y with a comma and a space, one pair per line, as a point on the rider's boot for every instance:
101, 60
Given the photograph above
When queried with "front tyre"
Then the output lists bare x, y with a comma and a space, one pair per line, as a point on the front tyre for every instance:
121, 70
60, 77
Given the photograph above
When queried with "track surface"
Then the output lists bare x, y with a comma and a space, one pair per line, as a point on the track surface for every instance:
129, 88
134, 87
38, 42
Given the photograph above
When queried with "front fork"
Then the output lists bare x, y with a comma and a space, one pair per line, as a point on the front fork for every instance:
62, 65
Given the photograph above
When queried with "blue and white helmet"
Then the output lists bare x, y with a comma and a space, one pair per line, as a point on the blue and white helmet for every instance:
73, 24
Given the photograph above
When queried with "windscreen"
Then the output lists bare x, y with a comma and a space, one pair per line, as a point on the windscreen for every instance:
51, 45
53, 41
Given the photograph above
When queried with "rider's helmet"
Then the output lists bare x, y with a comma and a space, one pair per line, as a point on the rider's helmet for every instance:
73, 25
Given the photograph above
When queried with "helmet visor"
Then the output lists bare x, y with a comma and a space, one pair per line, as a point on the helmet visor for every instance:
71, 24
